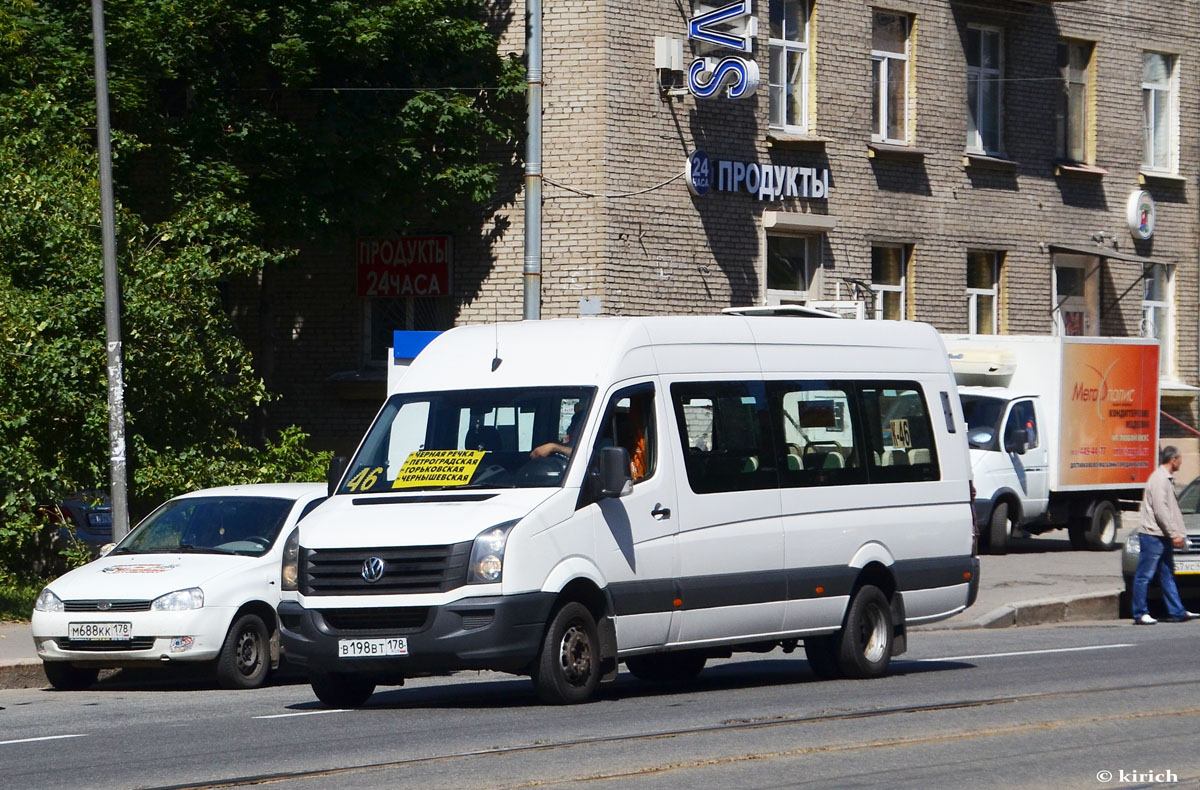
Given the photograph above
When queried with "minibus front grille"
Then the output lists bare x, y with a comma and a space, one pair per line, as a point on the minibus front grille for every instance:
407, 569
382, 619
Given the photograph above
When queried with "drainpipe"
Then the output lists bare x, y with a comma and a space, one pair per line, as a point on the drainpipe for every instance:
533, 161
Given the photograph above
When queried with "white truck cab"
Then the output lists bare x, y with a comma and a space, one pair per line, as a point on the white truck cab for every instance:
553, 498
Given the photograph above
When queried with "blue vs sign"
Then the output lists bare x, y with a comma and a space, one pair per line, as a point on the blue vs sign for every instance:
733, 26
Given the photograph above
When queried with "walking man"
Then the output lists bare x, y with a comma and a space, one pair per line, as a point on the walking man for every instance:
1160, 533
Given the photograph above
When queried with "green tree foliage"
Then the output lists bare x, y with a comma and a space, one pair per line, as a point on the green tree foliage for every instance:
241, 129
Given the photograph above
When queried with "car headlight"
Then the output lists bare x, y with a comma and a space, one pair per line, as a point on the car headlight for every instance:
1133, 545
289, 573
179, 601
47, 602
487, 555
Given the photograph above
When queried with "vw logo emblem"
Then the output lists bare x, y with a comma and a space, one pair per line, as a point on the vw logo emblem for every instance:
372, 569
104, 605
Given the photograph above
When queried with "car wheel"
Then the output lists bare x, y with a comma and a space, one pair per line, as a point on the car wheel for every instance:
865, 649
676, 667
1102, 531
822, 655
568, 666
999, 529
245, 658
340, 690
66, 677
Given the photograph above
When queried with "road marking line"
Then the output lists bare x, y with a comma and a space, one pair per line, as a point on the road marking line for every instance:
1027, 652
43, 738
303, 713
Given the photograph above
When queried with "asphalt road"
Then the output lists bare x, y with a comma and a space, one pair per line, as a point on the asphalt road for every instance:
1032, 707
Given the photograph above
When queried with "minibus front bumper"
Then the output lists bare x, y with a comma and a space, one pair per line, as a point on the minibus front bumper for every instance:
502, 633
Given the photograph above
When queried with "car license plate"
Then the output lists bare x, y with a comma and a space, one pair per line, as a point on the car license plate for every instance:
100, 632
370, 648
1186, 566
100, 519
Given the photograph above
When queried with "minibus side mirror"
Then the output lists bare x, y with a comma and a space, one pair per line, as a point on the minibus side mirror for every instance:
337, 468
1016, 441
615, 477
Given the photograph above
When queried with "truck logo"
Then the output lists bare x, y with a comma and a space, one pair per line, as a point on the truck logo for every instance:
372, 569
1102, 392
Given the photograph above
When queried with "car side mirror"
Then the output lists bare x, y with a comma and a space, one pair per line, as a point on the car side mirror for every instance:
337, 468
1016, 441
616, 480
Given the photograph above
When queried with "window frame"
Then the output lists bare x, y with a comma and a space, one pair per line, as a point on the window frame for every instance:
973, 294
1066, 131
779, 92
1170, 87
1090, 309
813, 274
879, 289
979, 75
880, 91
1166, 339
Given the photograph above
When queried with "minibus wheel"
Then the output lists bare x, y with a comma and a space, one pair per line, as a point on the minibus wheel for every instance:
675, 667
341, 690
866, 644
568, 667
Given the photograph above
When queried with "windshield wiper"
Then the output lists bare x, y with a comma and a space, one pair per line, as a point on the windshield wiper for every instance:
206, 549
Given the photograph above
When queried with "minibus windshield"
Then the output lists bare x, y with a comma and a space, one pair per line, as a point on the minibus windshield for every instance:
520, 437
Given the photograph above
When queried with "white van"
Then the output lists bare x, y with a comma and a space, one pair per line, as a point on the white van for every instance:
552, 498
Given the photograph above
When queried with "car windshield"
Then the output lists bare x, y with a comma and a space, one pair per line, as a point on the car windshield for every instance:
210, 525
983, 415
493, 438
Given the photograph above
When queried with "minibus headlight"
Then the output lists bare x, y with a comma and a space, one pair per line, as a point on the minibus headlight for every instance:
47, 602
179, 601
289, 573
487, 555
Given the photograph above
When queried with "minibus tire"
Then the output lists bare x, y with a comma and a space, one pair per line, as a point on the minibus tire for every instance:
341, 690
245, 657
998, 529
675, 667
865, 650
822, 655
568, 666
67, 677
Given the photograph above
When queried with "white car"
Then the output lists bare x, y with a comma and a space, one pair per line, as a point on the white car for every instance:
196, 581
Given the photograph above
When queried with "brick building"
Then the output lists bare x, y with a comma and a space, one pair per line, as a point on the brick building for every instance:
1013, 167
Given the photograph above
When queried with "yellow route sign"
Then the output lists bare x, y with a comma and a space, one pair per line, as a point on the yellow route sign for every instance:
438, 468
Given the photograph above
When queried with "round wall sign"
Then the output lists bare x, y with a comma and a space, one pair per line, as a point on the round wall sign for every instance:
699, 173
1139, 212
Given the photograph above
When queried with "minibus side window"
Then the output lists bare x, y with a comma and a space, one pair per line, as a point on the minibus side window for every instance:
898, 432
818, 423
629, 422
724, 428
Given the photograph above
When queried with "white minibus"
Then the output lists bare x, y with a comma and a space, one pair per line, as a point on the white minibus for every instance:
554, 498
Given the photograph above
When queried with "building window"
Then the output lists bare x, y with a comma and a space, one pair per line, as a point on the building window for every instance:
1076, 294
984, 69
793, 268
1158, 111
983, 292
788, 78
385, 316
1074, 112
889, 78
887, 281
1158, 313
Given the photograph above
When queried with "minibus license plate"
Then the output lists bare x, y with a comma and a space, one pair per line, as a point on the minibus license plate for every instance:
1186, 566
370, 648
100, 632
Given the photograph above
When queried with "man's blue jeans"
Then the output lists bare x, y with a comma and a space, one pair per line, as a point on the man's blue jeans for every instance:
1157, 558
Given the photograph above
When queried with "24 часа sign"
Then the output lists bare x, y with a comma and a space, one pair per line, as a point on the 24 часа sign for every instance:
767, 181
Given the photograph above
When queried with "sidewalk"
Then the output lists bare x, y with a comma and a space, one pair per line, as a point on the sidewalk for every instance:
1041, 580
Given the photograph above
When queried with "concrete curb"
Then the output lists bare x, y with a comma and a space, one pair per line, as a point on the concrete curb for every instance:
23, 673
1089, 606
